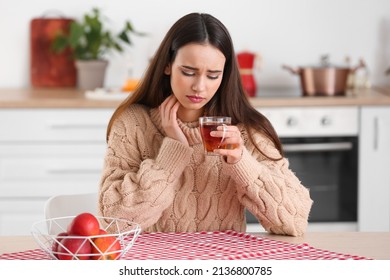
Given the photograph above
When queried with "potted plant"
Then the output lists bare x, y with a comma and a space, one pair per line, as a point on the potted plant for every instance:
89, 42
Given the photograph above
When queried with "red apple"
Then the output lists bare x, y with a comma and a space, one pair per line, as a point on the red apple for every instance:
108, 248
54, 246
76, 246
84, 224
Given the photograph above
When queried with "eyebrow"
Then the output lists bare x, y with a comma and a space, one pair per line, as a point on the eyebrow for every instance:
195, 69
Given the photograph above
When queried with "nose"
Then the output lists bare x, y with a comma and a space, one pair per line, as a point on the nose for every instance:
199, 84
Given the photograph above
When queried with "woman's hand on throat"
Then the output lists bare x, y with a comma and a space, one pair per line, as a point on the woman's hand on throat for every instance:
168, 112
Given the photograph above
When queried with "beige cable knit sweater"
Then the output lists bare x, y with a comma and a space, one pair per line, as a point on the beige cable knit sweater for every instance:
165, 185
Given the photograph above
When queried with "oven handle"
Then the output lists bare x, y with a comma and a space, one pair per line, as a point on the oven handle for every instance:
318, 147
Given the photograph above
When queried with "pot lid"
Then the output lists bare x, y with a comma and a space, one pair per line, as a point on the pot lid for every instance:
325, 63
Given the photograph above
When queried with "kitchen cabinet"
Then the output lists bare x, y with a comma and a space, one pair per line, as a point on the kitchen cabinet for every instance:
44, 152
374, 175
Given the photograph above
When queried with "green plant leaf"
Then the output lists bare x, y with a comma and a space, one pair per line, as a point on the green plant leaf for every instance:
60, 43
123, 36
118, 47
130, 29
88, 38
129, 26
75, 34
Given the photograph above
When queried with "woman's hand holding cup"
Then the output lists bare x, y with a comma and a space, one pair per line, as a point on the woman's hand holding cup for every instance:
221, 138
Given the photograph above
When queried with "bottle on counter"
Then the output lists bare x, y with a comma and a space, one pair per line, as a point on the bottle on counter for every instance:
351, 75
131, 82
360, 78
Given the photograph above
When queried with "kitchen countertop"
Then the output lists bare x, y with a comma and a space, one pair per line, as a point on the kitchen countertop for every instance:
73, 98
375, 245
51, 98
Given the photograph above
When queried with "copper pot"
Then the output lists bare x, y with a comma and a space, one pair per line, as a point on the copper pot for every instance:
324, 79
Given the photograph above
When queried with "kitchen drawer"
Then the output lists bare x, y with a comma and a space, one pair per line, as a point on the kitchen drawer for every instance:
43, 181
44, 170
54, 124
54, 150
313, 121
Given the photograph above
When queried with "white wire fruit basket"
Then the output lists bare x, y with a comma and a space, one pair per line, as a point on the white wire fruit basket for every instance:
120, 235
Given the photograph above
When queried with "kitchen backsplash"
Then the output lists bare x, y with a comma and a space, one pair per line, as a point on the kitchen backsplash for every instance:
281, 32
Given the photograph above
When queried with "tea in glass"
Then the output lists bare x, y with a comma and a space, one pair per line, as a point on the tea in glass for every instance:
208, 124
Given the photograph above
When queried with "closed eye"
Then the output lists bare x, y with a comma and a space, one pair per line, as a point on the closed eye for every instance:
188, 73
213, 77
191, 71
191, 74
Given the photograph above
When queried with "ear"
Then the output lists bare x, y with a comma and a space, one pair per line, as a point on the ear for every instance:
167, 70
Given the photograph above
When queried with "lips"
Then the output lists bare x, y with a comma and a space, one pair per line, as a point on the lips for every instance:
195, 99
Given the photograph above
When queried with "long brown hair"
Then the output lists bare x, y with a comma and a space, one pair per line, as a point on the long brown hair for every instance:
230, 98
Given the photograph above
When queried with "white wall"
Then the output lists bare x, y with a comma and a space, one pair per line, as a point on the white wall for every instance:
293, 32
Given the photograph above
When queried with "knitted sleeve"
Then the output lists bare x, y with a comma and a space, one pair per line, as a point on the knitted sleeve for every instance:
135, 188
270, 190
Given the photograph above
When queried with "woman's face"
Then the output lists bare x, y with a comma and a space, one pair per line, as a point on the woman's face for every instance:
196, 74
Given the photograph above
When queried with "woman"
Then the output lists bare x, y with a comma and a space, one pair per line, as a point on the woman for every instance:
156, 173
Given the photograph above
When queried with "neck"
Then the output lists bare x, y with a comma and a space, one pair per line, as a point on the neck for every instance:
186, 115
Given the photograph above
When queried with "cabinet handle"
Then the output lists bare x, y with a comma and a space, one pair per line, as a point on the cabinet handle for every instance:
326, 121
77, 126
291, 122
376, 133
318, 147
73, 171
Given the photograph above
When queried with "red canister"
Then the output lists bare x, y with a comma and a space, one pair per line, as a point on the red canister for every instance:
49, 69
246, 61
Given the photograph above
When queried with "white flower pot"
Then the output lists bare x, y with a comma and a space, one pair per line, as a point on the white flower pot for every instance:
91, 73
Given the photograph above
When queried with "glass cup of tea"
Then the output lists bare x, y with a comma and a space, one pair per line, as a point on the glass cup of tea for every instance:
208, 124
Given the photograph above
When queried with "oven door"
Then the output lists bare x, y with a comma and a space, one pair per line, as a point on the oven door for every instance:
327, 166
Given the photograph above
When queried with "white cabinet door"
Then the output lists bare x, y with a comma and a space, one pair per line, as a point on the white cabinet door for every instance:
374, 171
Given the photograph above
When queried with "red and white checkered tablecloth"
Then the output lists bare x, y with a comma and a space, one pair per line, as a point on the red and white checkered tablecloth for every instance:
220, 245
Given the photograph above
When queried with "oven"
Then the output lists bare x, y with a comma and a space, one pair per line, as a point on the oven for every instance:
321, 145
